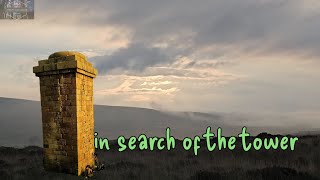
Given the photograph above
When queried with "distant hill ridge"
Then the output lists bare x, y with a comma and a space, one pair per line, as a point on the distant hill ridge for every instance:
21, 125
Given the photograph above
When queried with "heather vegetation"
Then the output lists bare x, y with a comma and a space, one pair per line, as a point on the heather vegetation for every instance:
302, 163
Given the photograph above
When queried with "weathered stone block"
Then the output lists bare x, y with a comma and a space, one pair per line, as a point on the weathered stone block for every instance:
38, 69
42, 62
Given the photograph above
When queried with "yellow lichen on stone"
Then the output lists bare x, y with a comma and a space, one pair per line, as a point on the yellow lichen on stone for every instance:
66, 53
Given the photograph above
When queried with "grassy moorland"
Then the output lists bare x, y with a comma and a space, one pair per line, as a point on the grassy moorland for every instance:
303, 163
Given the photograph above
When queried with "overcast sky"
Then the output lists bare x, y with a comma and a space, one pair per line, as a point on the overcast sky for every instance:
244, 56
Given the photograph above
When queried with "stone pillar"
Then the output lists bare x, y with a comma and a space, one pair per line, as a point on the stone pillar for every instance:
66, 87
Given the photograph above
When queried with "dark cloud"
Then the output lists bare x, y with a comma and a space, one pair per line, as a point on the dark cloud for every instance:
249, 26
136, 57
